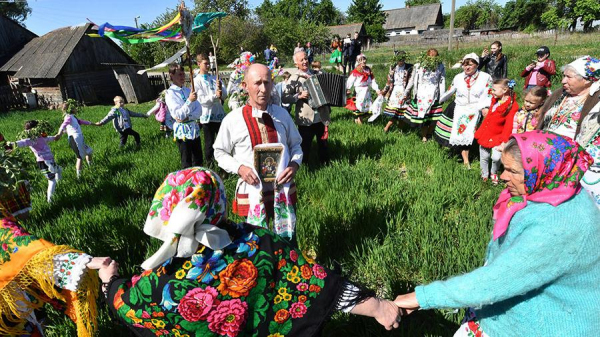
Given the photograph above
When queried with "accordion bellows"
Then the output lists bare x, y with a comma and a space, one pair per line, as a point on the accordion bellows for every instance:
326, 89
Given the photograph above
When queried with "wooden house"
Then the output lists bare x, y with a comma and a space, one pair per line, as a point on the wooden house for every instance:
343, 30
13, 37
413, 20
68, 63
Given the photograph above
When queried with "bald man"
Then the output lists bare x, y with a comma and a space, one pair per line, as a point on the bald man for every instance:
258, 122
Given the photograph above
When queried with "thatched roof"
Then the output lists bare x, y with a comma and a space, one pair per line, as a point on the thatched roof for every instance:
343, 30
46, 56
418, 17
13, 37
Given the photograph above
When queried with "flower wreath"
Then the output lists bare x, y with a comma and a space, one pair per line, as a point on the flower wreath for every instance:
43, 129
71, 106
429, 62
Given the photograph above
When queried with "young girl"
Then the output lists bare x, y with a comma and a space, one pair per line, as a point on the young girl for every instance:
526, 119
36, 137
72, 125
496, 127
162, 115
361, 79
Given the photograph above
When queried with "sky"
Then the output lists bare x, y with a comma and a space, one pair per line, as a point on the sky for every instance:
48, 15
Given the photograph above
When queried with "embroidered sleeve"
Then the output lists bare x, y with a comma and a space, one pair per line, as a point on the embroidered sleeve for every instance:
68, 269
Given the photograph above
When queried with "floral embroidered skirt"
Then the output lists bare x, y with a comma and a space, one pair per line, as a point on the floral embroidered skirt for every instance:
259, 285
469, 326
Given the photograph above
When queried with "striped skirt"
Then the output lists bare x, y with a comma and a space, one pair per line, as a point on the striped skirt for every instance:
411, 115
443, 128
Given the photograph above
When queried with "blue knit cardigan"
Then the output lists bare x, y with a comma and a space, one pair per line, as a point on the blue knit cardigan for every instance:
542, 278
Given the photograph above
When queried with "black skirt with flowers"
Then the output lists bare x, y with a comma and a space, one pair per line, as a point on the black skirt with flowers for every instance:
257, 286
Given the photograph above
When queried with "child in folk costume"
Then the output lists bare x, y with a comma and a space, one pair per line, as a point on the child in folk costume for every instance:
496, 127
336, 54
398, 77
72, 125
427, 84
36, 137
473, 91
361, 79
121, 117
162, 115
526, 118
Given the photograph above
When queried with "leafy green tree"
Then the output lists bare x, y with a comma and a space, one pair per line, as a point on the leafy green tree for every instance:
17, 10
587, 11
521, 14
413, 3
478, 14
370, 13
327, 14
232, 7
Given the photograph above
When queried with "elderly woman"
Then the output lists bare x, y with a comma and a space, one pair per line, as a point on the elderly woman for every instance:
574, 112
541, 273
34, 271
212, 277
473, 91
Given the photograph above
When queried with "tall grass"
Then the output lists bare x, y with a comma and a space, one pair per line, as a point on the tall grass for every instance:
390, 211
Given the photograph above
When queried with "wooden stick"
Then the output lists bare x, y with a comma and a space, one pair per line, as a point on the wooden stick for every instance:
187, 50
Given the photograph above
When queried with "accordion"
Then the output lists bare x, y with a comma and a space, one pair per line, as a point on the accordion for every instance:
326, 89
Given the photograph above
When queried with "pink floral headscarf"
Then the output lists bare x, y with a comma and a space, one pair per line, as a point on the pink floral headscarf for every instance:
553, 166
185, 211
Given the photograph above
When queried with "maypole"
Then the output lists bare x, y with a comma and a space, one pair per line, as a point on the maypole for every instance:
186, 30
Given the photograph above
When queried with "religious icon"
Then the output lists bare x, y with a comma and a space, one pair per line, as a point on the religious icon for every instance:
266, 161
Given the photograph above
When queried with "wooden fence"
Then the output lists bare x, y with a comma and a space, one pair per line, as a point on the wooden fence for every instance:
11, 99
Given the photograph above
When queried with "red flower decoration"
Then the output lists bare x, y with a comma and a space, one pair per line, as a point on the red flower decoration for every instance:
197, 304
228, 318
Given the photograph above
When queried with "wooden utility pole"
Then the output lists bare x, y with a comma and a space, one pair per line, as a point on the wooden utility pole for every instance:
451, 26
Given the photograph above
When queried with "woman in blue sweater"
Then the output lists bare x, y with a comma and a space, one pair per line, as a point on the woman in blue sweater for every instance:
542, 267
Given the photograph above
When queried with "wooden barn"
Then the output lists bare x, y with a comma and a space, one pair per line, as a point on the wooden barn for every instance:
13, 37
343, 30
413, 20
67, 63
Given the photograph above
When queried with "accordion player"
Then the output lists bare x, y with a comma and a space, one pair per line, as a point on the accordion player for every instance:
326, 89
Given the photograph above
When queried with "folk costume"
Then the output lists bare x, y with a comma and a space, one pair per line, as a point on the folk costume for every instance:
543, 244
577, 117
396, 90
241, 131
362, 79
186, 131
525, 120
33, 272
212, 110
427, 84
473, 93
311, 123
212, 277
237, 96
494, 131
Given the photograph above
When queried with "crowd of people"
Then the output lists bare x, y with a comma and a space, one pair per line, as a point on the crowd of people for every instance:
212, 276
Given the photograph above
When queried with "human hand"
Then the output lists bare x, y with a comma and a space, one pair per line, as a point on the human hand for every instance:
387, 314
57, 136
247, 175
348, 92
485, 111
193, 97
219, 93
407, 302
107, 272
97, 124
485, 52
303, 94
99, 262
288, 174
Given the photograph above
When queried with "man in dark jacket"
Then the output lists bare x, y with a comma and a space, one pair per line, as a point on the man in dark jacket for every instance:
347, 50
356, 50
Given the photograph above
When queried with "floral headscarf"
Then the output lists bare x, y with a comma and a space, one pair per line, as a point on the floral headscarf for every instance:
185, 211
553, 166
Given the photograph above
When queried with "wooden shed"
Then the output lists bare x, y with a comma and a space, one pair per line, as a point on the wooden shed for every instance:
343, 30
67, 63
413, 20
13, 37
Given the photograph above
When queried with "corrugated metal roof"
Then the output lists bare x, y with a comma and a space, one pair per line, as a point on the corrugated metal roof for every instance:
45, 56
418, 17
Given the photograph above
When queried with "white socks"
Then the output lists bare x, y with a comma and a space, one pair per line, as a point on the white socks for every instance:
51, 189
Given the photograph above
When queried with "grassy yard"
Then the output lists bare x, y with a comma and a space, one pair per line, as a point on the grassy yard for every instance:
390, 211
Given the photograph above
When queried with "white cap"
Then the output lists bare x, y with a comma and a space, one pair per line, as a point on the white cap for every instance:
472, 56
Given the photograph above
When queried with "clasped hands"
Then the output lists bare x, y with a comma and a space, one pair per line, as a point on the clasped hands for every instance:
386, 312
248, 175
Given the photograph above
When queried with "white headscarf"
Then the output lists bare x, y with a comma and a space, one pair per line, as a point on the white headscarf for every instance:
589, 68
184, 213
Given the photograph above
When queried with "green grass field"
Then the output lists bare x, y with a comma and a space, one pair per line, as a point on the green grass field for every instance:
390, 211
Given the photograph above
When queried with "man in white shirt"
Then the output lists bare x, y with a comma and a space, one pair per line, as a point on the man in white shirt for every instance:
258, 122
210, 95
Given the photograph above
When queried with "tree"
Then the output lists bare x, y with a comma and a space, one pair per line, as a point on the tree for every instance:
370, 13
17, 11
232, 7
478, 14
522, 14
413, 3
587, 11
326, 14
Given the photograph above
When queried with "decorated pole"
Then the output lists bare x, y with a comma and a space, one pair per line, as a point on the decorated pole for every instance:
186, 31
